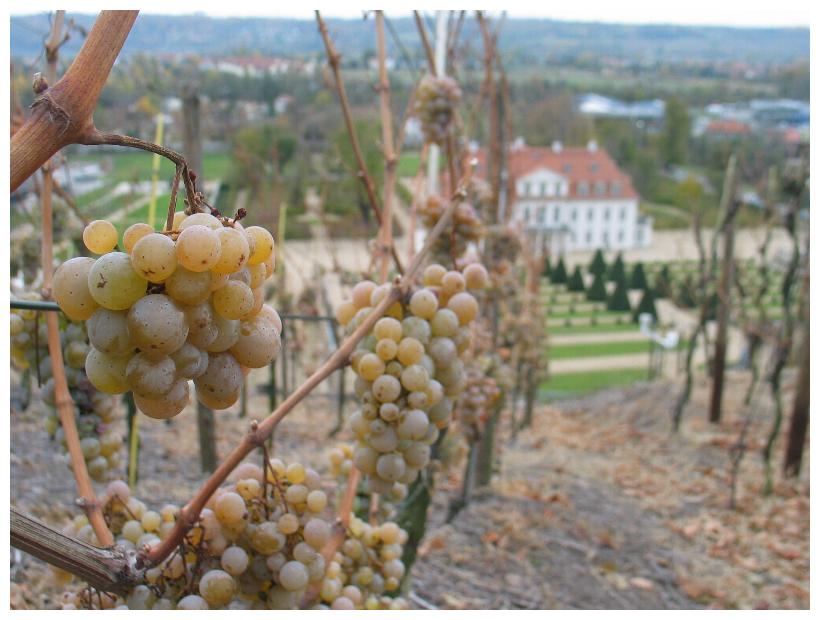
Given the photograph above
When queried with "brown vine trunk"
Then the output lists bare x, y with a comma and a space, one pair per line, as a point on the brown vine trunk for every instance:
62, 114
192, 137
724, 308
799, 424
109, 570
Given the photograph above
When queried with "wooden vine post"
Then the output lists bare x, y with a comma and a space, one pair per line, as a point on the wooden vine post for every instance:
724, 310
390, 158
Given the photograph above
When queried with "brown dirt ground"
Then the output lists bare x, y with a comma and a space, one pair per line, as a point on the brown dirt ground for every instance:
597, 506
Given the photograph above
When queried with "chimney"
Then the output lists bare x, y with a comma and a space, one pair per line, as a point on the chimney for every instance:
557, 147
592, 146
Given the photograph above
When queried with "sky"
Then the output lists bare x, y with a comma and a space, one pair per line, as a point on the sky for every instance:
757, 13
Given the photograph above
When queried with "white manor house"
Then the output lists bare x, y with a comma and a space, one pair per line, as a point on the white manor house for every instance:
574, 198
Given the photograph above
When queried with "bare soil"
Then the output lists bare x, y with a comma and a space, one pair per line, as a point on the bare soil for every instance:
597, 506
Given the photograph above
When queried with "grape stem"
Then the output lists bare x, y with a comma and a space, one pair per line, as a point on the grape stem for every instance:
95, 137
260, 432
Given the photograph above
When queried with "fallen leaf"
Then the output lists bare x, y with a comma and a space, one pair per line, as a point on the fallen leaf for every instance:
642, 583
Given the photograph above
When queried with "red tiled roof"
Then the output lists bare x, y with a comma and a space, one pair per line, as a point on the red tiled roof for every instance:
728, 127
578, 164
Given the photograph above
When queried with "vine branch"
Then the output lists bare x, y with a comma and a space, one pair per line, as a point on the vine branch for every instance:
333, 59
63, 113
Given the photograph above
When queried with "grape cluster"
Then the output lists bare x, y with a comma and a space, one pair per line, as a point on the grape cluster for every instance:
367, 566
341, 461
409, 371
255, 546
95, 412
435, 103
466, 227
475, 404
173, 307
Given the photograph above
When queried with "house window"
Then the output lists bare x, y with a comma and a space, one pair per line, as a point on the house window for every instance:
600, 188
593, 167
544, 189
589, 237
542, 214
620, 236
583, 188
623, 213
526, 189
606, 238
574, 215
527, 214
567, 168
615, 188
590, 214
639, 235
606, 214
556, 214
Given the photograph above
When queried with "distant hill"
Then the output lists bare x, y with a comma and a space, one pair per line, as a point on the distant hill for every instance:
530, 41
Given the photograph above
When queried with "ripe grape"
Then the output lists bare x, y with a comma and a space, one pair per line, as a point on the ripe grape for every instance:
233, 300
166, 406
113, 282
198, 248
157, 325
107, 372
108, 332
263, 245
100, 236
151, 377
234, 251
154, 257
70, 288
134, 233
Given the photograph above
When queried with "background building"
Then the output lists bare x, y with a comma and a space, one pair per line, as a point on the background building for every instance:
573, 198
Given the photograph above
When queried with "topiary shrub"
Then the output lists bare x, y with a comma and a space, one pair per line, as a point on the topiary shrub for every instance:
647, 304
638, 279
598, 264
576, 281
663, 283
616, 270
547, 268
559, 274
597, 291
619, 299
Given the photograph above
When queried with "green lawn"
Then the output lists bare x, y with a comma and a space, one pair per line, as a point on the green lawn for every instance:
613, 316
598, 349
581, 382
563, 330
137, 165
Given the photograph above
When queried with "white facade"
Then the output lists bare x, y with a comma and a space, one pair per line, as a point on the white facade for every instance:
596, 218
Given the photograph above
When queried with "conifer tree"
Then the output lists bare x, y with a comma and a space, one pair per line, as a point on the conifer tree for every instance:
638, 279
646, 305
598, 264
576, 281
559, 274
619, 299
616, 270
597, 291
